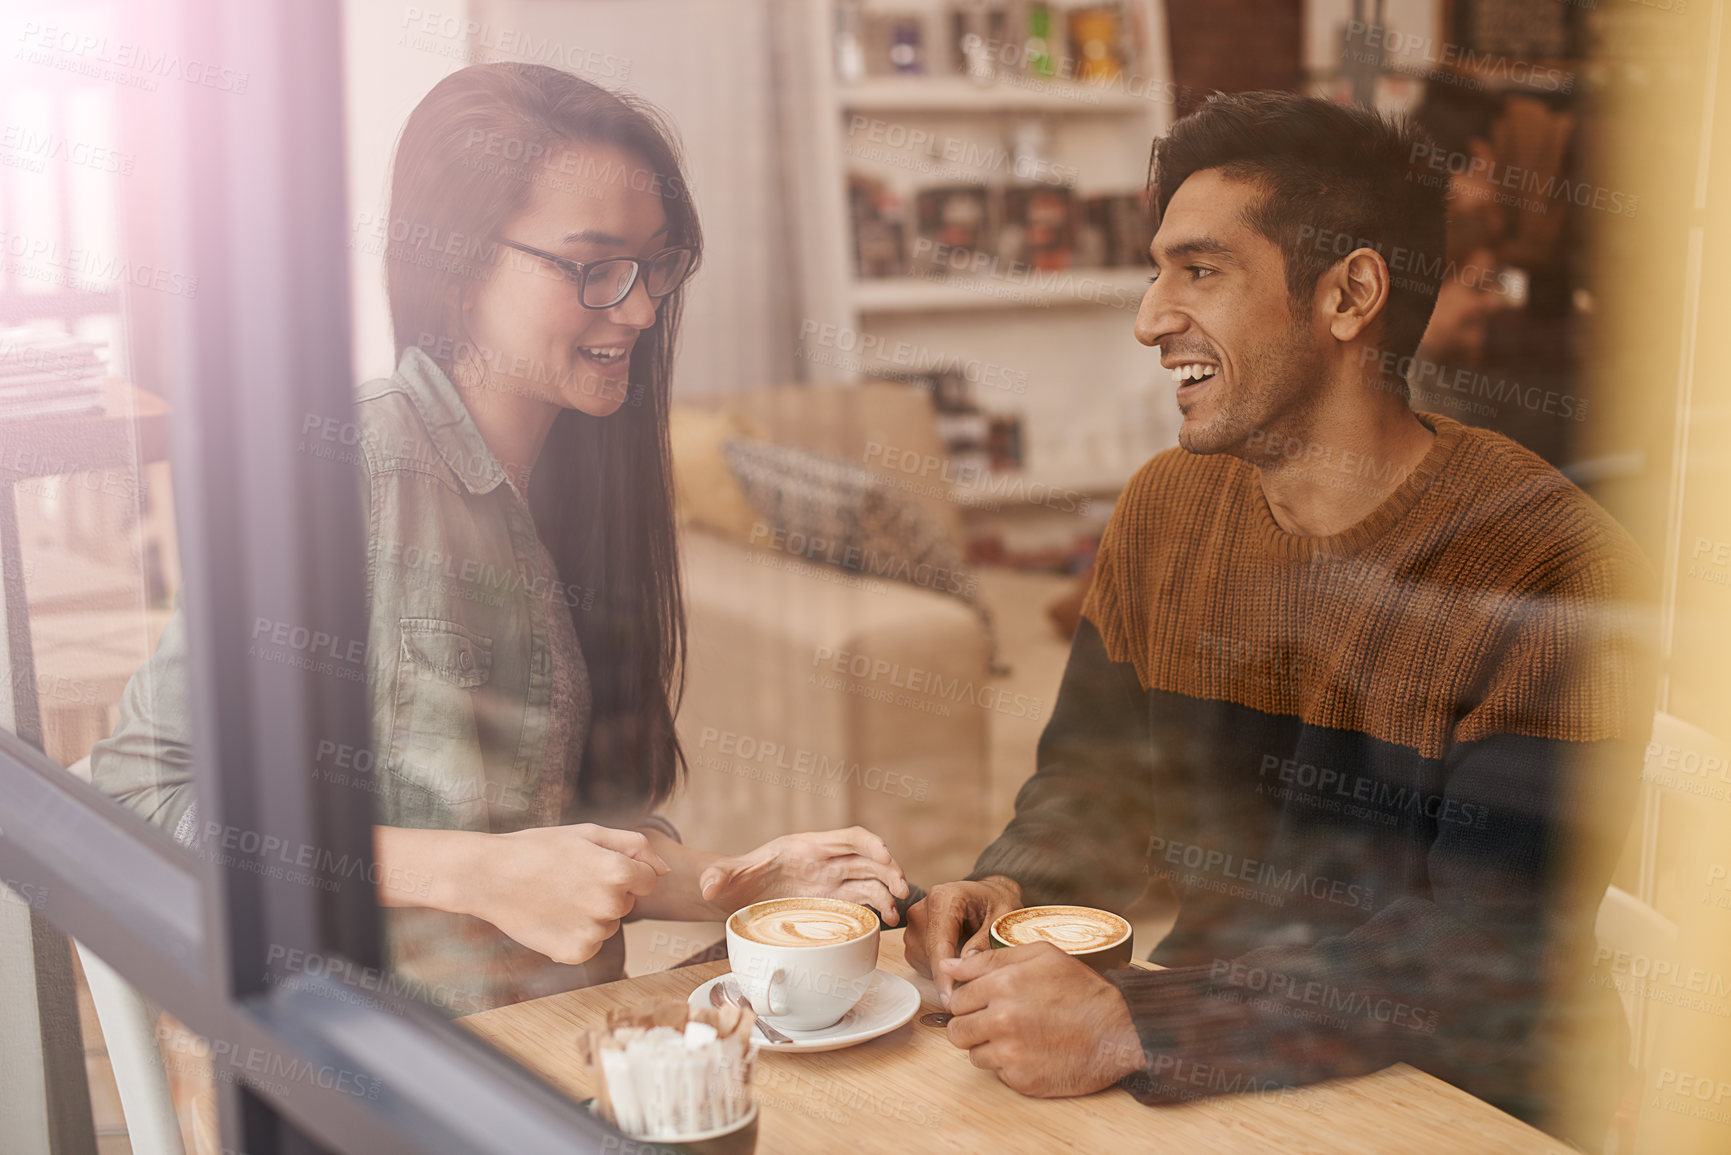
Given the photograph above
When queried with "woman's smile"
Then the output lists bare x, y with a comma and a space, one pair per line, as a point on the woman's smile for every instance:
605, 355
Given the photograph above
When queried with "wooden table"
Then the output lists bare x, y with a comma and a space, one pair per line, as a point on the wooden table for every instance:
911, 1091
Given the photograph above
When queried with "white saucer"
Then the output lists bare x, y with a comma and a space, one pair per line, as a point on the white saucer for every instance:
889, 1001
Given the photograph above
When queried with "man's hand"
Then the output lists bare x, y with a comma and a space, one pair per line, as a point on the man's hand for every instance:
956, 919
852, 864
1048, 1025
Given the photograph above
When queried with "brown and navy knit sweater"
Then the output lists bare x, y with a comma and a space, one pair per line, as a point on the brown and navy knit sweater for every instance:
1387, 771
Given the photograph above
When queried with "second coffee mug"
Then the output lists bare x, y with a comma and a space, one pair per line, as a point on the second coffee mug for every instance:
803, 962
1097, 937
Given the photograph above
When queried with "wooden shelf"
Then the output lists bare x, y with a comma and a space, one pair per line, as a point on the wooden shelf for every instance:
958, 94
1109, 288
132, 428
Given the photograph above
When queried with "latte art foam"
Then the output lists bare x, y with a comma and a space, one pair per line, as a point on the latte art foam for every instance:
1072, 929
806, 922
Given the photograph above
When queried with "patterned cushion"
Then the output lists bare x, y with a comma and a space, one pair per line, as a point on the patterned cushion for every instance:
704, 490
833, 512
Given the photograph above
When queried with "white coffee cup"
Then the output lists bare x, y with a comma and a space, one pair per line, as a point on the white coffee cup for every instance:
803, 962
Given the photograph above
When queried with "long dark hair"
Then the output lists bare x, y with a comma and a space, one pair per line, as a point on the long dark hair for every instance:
467, 163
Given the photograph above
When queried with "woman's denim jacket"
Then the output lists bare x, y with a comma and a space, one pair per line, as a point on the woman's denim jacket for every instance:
456, 657
456, 663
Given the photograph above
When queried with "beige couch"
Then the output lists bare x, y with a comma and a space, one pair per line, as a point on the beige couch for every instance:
816, 698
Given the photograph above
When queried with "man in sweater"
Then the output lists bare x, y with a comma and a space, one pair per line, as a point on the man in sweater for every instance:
1364, 686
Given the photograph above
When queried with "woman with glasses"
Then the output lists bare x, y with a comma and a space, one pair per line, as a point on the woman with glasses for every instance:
526, 631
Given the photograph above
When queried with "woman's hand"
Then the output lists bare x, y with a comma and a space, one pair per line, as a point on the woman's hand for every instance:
852, 864
560, 890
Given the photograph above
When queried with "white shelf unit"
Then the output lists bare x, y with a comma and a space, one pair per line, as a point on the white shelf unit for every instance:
1079, 288
958, 94
1094, 403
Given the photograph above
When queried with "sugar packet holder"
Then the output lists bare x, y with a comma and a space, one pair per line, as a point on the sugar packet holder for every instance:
671, 1069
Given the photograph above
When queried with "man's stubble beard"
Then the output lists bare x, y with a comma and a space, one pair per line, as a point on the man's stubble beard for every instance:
1279, 388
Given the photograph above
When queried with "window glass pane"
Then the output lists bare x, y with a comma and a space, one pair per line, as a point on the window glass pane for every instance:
91, 573
898, 457
89, 559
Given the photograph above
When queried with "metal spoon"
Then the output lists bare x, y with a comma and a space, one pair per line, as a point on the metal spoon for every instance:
724, 993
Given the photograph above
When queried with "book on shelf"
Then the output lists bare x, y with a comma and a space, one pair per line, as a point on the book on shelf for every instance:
1044, 227
979, 30
44, 373
879, 228
1113, 231
1097, 42
1038, 227
893, 43
987, 40
951, 223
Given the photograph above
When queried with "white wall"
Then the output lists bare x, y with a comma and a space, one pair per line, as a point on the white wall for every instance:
387, 68
707, 64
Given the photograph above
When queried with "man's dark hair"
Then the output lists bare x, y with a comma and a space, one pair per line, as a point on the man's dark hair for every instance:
1334, 178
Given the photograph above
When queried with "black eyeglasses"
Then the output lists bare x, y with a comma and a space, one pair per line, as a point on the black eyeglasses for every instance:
603, 284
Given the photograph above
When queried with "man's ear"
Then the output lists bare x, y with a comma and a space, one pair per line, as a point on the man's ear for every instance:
1355, 293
